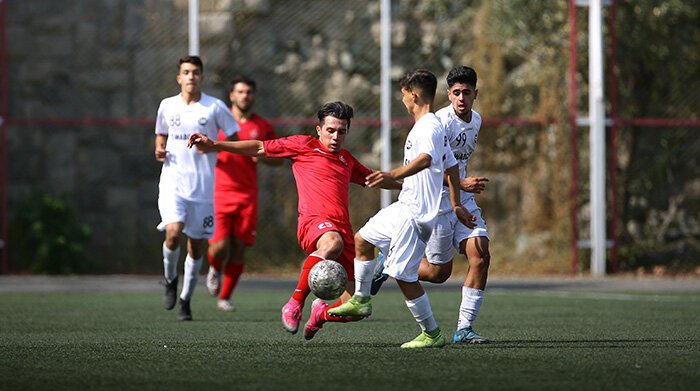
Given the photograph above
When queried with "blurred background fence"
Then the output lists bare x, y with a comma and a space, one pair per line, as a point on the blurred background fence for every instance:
82, 80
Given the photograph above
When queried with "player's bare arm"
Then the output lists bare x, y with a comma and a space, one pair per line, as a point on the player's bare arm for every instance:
161, 153
473, 184
383, 180
245, 147
462, 213
416, 165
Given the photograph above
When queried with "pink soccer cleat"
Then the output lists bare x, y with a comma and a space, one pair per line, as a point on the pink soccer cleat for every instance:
291, 315
314, 323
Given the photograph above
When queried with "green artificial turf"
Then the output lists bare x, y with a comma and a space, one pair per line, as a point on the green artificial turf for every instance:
541, 341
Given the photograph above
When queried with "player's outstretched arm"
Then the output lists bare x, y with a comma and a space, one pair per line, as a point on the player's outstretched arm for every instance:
382, 179
462, 213
473, 184
245, 147
416, 165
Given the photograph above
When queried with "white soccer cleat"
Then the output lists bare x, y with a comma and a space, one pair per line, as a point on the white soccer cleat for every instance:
225, 305
213, 281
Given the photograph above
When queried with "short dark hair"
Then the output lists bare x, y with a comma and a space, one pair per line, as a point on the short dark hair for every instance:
245, 80
461, 74
420, 79
194, 60
337, 109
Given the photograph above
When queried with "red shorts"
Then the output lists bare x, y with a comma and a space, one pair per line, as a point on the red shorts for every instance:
235, 219
311, 229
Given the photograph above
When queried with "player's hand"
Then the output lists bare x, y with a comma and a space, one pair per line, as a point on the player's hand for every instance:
161, 154
473, 184
464, 216
203, 143
377, 178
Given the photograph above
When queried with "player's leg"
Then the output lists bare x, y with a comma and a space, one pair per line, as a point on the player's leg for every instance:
319, 308
320, 239
219, 244
232, 274
436, 266
199, 227
217, 252
403, 264
359, 304
172, 212
419, 305
474, 243
171, 256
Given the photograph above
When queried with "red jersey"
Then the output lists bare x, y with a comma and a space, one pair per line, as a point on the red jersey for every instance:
323, 178
236, 175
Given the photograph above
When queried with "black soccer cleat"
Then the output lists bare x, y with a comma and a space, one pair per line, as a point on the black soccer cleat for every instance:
184, 313
169, 298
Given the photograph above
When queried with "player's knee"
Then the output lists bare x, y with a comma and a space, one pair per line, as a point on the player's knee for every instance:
217, 250
172, 241
482, 262
331, 246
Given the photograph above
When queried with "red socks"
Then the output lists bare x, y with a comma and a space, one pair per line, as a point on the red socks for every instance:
302, 290
326, 317
232, 273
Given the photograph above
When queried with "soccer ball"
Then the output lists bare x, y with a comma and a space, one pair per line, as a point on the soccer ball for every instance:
328, 279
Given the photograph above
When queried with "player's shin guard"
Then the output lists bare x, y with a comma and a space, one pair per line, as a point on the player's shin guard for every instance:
170, 258
422, 312
192, 267
302, 291
364, 271
469, 307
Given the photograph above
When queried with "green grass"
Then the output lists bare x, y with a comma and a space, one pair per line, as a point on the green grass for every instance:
542, 341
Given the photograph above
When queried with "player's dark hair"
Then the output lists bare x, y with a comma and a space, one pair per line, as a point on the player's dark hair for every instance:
461, 74
337, 109
245, 80
422, 80
194, 60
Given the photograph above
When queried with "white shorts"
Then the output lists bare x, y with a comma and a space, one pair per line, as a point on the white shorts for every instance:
198, 217
450, 232
397, 235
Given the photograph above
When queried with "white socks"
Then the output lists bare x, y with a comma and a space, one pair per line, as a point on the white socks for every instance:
469, 308
364, 271
422, 312
192, 267
170, 259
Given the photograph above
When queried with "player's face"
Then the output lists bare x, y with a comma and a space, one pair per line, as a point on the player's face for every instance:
190, 78
462, 96
408, 100
242, 96
332, 133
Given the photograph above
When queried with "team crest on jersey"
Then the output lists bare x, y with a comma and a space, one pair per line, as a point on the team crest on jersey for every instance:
202, 121
408, 144
342, 159
254, 134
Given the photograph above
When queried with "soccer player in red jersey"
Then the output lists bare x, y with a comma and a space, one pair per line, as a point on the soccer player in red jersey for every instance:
236, 196
323, 171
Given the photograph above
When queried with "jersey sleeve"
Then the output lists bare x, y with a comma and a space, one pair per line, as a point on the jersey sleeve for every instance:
161, 121
225, 120
359, 171
285, 147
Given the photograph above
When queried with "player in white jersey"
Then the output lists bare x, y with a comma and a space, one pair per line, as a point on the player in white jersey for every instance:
462, 125
186, 187
402, 229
